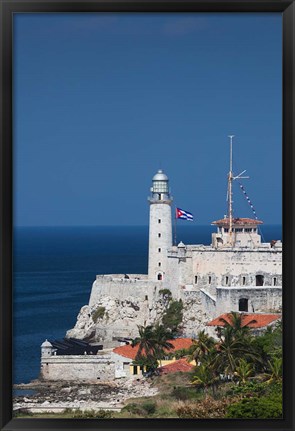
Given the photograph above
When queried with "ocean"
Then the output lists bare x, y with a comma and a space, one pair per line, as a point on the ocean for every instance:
54, 268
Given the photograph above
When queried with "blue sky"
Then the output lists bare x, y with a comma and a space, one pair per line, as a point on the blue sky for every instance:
103, 100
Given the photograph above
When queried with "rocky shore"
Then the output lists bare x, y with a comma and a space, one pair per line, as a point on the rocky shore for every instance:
58, 396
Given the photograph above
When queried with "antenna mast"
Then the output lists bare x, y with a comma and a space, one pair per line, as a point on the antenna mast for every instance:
231, 177
230, 181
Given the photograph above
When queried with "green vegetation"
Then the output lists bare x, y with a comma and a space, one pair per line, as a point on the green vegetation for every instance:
98, 314
153, 339
88, 414
266, 407
172, 318
68, 414
235, 376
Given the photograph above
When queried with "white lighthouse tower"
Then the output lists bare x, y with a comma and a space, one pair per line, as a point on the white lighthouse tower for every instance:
160, 228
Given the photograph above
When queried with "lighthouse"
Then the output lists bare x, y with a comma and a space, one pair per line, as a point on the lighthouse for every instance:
160, 227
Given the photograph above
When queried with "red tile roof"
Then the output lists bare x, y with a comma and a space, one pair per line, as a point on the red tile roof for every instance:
251, 320
179, 365
130, 352
237, 221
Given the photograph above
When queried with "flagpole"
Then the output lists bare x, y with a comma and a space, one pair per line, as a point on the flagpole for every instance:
175, 219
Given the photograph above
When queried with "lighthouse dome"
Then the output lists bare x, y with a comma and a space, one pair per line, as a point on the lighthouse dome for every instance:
160, 176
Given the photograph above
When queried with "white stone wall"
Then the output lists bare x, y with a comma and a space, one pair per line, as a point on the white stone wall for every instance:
194, 273
260, 299
159, 211
116, 286
122, 365
228, 267
98, 367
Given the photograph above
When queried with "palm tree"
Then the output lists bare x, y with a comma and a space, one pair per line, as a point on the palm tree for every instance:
161, 336
243, 371
152, 343
201, 346
205, 377
232, 347
235, 326
276, 370
145, 341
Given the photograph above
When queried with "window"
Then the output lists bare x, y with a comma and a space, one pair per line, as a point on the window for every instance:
196, 279
159, 220
243, 304
159, 235
248, 229
159, 250
209, 279
160, 277
239, 230
146, 297
225, 229
135, 369
226, 280
244, 281
275, 281
159, 264
259, 280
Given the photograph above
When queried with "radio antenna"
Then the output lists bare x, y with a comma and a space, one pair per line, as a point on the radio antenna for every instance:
231, 178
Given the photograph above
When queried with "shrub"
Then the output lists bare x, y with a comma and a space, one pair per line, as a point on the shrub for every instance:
208, 408
133, 408
88, 414
250, 388
149, 407
98, 314
256, 408
183, 394
22, 412
172, 318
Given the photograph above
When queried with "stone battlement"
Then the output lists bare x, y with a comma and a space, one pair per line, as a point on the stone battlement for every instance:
131, 278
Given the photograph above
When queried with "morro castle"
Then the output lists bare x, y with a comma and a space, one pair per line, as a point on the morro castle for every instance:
237, 272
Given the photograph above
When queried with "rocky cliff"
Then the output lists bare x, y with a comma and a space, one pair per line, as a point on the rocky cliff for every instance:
119, 316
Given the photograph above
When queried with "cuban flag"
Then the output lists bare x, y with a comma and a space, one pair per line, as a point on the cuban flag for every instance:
184, 215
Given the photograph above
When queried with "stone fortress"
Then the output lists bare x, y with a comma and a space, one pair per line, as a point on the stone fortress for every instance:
237, 272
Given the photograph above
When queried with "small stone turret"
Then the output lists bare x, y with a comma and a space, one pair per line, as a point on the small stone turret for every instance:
46, 349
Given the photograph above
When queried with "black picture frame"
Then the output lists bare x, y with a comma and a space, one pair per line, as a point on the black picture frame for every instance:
7, 9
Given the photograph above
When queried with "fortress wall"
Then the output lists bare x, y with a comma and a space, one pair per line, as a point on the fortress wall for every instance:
171, 278
225, 268
84, 367
260, 299
119, 288
208, 303
185, 270
235, 265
